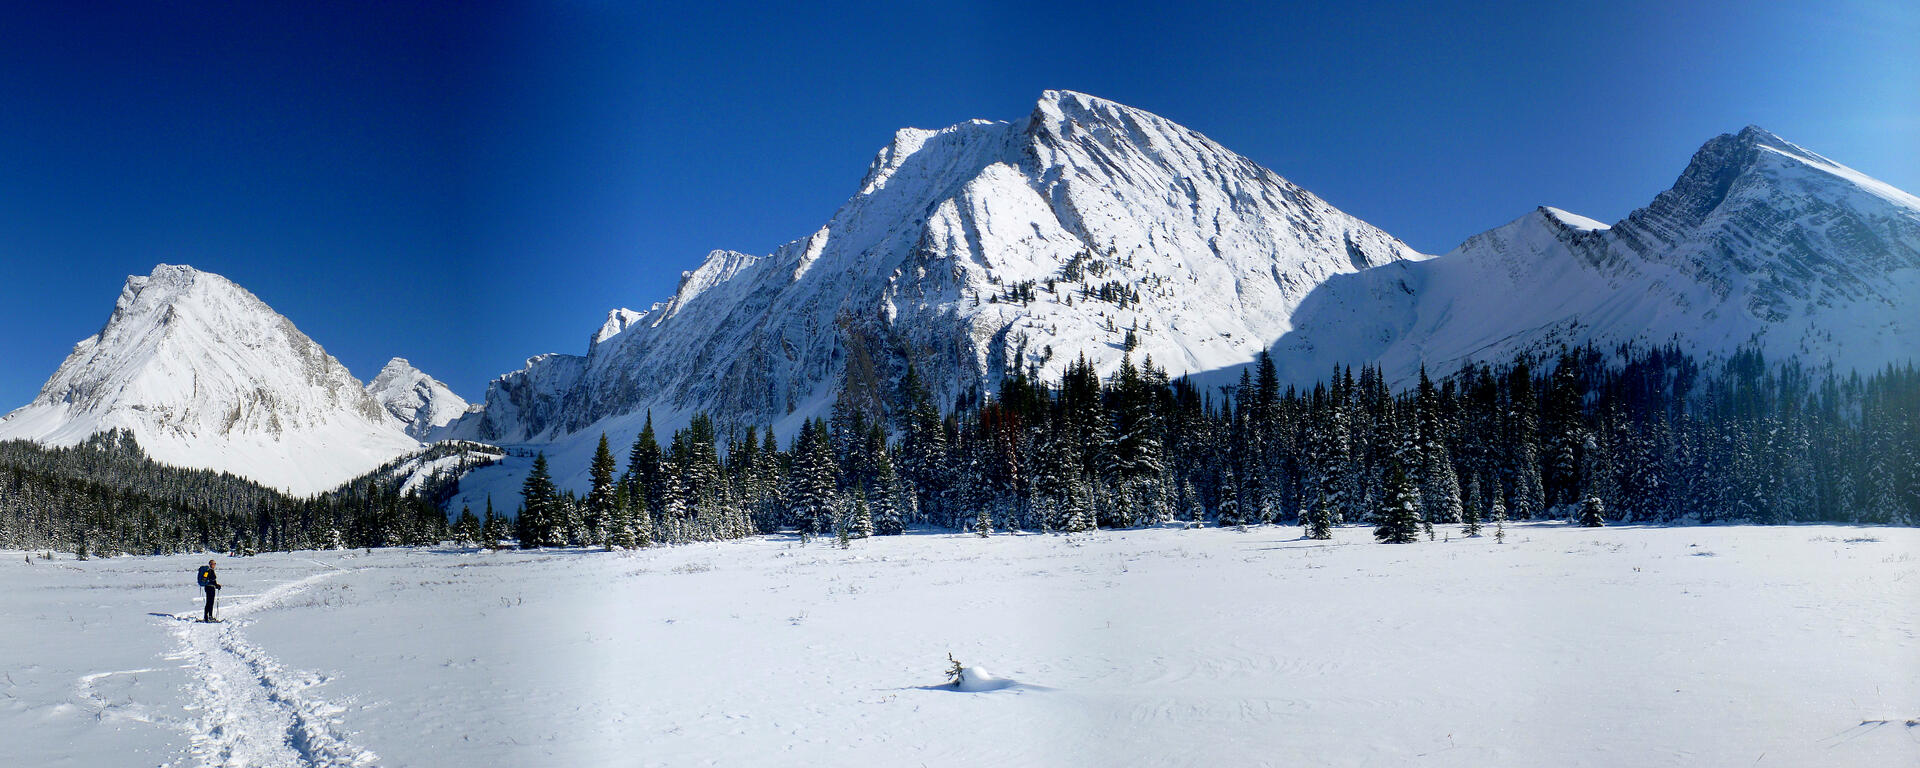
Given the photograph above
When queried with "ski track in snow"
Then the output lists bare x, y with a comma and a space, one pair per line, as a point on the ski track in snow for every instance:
253, 711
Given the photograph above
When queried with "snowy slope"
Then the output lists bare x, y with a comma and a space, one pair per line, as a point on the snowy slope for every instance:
419, 401
965, 250
1703, 646
1760, 243
206, 375
447, 458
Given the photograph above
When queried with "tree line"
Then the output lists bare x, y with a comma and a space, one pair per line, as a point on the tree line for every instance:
1638, 436
104, 496
1583, 437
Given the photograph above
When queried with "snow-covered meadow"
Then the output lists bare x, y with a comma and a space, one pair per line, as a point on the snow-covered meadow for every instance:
1695, 646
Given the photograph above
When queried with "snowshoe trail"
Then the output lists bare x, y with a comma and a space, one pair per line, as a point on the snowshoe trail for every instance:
254, 712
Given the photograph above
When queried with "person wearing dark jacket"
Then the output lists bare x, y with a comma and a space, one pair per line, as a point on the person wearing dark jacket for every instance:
210, 582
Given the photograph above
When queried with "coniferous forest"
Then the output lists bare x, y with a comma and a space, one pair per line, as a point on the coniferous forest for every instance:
1583, 438
105, 497
1653, 440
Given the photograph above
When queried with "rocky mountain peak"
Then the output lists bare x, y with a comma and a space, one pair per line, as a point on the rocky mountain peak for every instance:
205, 374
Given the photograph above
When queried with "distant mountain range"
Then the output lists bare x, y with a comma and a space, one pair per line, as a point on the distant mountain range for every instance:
1085, 229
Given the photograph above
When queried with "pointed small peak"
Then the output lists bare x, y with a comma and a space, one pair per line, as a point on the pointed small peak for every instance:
1055, 97
173, 270
1571, 220
618, 320
1740, 149
178, 275
1059, 105
1756, 136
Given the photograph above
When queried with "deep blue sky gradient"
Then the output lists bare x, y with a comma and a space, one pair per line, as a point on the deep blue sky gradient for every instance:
470, 187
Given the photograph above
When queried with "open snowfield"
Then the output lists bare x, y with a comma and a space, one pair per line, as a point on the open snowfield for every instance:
1734, 646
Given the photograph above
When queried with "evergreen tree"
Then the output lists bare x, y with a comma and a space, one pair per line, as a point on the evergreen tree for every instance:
640, 522
860, 522
600, 508
1319, 519
1592, 513
1399, 518
541, 518
645, 482
620, 525
887, 519
1077, 507
1499, 515
1470, 513
467, 529
1228, 512
812, 497
492, 528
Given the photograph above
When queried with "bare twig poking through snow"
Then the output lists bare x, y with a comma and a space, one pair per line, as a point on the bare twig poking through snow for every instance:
954, 672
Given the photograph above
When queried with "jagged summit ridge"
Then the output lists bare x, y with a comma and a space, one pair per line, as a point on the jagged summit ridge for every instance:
205, 374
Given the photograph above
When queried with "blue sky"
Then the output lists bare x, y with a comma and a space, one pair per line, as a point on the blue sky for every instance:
469, 188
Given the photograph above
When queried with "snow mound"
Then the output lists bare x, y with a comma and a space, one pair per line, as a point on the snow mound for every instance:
980, 680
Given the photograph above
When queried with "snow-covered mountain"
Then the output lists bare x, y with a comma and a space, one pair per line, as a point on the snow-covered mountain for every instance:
419, 401
965, 252
204, 374
1759, 244
1091, 228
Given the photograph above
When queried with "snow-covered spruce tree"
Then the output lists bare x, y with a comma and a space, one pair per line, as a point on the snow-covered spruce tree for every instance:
540, 515
885, 504
694, 461
812, 496
1470, 512
1499, 515
1440, 498
1522, 434
620, 528
1439, 484
1228, 514
1318, 521
574, 531
642, 523
1399, 518
1077, 510
1592, 513
671, 526
599, 507
768, 507
1564, 431
466, 530
860, 521
923, 447
1084, 422
643, 479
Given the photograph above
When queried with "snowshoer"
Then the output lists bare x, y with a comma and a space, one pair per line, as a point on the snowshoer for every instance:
210, 582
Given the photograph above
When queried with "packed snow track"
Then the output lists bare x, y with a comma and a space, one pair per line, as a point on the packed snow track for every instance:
254, 712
